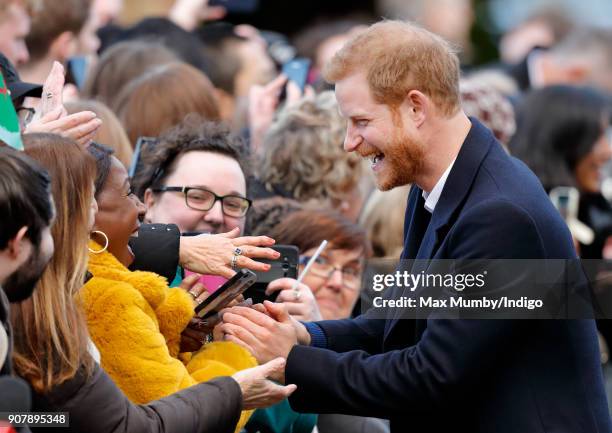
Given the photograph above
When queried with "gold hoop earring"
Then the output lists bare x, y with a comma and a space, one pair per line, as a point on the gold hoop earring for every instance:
105, 243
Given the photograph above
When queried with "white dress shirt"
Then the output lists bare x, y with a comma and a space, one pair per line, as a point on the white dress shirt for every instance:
431, 198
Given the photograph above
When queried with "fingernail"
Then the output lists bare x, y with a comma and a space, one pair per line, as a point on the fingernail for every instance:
246, 303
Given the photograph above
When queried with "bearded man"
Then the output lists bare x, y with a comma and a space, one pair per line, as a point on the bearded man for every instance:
398, 87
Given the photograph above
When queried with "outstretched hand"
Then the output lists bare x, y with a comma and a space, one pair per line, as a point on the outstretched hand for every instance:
212, 254
258, 388
266, 336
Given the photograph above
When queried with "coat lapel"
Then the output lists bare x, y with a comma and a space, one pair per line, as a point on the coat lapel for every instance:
455, 193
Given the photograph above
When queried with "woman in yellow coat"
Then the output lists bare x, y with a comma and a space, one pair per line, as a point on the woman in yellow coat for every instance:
136, 322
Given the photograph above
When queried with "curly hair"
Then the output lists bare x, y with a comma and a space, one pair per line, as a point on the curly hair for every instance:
192, 134
303, 151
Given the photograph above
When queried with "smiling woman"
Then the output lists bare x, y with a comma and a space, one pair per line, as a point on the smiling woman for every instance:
139, 324
119, 210
335, 277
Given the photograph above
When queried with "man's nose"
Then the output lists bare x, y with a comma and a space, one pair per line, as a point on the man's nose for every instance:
351, 139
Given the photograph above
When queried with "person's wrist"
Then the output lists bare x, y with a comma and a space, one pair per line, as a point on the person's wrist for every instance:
184, 251
303, 336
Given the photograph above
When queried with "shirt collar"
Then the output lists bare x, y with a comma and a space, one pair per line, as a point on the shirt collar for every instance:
431, 198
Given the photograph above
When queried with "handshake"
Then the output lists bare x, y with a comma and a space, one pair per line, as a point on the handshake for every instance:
268, 332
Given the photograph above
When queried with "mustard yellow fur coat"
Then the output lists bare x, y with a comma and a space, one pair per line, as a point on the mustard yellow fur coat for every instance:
136, 320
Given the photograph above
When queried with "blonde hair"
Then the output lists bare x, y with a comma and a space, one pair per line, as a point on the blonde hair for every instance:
304, 154
398, 57
111, 133
383, 219
50, 333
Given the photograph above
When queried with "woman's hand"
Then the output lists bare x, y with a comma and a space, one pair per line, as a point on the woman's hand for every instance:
258, 387
197, 290
195, 334
212, 254
301, 303
52, 116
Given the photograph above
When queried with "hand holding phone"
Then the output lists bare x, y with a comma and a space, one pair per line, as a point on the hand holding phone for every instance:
286, 266
296, 70
233, 287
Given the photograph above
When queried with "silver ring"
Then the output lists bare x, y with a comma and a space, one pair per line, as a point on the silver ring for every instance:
297, 294
237, 251
234, 260
49, 95
195, 297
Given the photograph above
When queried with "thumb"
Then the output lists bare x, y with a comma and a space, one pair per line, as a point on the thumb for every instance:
289, 389
277, 311
231, 234
277, 365
52, 115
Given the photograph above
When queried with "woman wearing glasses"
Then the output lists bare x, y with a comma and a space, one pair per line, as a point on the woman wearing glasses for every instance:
332, 286
195, 177
335, 276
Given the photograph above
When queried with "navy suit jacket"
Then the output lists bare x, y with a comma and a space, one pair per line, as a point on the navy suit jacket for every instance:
439, 375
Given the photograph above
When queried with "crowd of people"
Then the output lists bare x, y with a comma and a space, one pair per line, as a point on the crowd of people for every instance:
162, 156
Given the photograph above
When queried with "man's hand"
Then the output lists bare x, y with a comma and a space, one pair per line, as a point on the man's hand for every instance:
258, 390
212, 254
266, 336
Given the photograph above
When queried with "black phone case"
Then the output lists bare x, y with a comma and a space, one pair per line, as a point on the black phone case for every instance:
233, 287
286, 266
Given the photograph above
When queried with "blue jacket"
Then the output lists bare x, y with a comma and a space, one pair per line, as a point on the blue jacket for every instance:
454, 376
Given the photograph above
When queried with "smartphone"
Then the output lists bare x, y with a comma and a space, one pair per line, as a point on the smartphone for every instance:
296, 70
233, 287
286, 266
236, 6
566, 200
136, 165
77, 71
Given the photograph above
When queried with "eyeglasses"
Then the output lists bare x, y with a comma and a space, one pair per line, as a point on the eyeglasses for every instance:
25, 115
203, 199
322, 268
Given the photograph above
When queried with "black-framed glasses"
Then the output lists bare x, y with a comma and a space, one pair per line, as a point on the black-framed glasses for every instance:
25, 115
323, 268
202, 199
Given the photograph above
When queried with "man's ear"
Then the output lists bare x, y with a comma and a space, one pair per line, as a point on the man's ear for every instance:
63, 46
20, 244
418, 105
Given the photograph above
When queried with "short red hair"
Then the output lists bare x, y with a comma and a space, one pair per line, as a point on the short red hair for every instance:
398, 57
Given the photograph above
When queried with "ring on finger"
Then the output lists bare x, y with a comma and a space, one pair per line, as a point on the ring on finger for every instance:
297, 294
233, 262
195, 296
